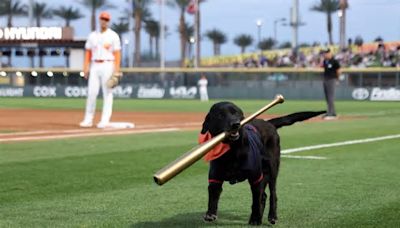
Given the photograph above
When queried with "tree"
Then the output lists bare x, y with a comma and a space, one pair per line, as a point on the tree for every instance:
93, 5
140, 12
304, 45
121, 28
218, 38
182, 5
41, 11
378, 39
358, 41
243, 41
285, 45
266, 44
11, 8
328, 7
152, 28
68, 14
189, 31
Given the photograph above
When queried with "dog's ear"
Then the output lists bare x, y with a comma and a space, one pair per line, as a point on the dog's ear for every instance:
206, 124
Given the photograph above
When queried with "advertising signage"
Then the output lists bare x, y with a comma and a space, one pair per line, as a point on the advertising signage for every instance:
35, 33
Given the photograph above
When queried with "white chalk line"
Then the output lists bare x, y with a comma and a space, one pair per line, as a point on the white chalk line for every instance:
148, 126
344, 143
63, 136
303, 157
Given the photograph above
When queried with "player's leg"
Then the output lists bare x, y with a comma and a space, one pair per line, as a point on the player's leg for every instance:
330, 90
93, 91
107, 71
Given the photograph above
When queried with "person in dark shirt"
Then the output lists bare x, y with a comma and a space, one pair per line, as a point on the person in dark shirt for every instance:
331, 74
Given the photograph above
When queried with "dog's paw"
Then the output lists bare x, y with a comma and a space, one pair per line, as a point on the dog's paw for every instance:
210, 217
272, 220
255, 221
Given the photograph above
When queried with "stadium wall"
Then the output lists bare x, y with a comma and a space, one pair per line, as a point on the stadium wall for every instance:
153, 83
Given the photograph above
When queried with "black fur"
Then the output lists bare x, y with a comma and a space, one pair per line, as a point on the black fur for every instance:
234, 166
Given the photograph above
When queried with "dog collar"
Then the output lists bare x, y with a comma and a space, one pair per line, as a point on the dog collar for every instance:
219, 150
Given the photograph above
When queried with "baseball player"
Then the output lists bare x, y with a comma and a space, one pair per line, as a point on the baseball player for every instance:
202, 83
103, 56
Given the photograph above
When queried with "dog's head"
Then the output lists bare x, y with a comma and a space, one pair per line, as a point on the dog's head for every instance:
223, 117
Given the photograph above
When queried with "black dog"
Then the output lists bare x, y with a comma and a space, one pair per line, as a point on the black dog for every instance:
251, 152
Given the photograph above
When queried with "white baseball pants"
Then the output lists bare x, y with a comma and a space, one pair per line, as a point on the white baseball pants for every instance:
98, 76
203, 94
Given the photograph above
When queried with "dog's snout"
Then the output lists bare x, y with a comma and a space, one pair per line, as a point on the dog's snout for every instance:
235, 125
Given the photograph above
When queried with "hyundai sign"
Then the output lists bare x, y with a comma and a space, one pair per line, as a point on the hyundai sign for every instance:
35, 33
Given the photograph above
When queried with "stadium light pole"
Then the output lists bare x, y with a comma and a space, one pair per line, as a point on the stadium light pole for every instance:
192, 42
259, 24
343, 4
275, 27
197, 34
295, 24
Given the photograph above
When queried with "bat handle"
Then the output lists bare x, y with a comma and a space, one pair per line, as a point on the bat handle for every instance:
278, 100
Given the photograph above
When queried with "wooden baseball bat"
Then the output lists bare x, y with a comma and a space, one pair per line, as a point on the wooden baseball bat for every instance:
189, 158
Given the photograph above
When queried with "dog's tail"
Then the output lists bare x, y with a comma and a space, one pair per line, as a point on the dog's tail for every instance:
293, 118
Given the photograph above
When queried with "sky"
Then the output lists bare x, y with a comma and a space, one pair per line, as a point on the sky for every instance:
367, 18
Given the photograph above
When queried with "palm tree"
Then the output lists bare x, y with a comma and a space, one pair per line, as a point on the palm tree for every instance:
152, 28
378, 39
11, 8
243, 41
284, 45
266, 44
93, 5
140, 12
182, 5
41, 11
328, 7
121, 28
358, 41
190, 38
68, 14
197, 26
218, 38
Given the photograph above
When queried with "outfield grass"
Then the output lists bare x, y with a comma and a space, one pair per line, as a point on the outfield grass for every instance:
107, 181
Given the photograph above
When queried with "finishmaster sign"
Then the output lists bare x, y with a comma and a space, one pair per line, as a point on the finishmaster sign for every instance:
36, 33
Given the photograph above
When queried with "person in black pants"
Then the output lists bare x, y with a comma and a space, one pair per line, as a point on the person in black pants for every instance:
331, 74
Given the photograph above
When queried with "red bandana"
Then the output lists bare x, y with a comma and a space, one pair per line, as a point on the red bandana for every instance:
217, 151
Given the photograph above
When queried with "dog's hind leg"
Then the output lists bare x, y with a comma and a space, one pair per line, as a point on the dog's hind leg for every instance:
273, 199
263, 196
214, 192
256, 207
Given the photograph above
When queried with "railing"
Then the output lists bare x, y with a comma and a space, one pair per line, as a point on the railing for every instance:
364, 77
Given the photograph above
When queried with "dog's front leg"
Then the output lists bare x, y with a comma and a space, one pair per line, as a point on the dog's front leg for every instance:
256, 207
214, 192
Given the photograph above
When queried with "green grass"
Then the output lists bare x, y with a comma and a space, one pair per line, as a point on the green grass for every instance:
107, 181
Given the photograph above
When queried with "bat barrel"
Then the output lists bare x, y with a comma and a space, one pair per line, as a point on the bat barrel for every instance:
186, 160
189, 158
